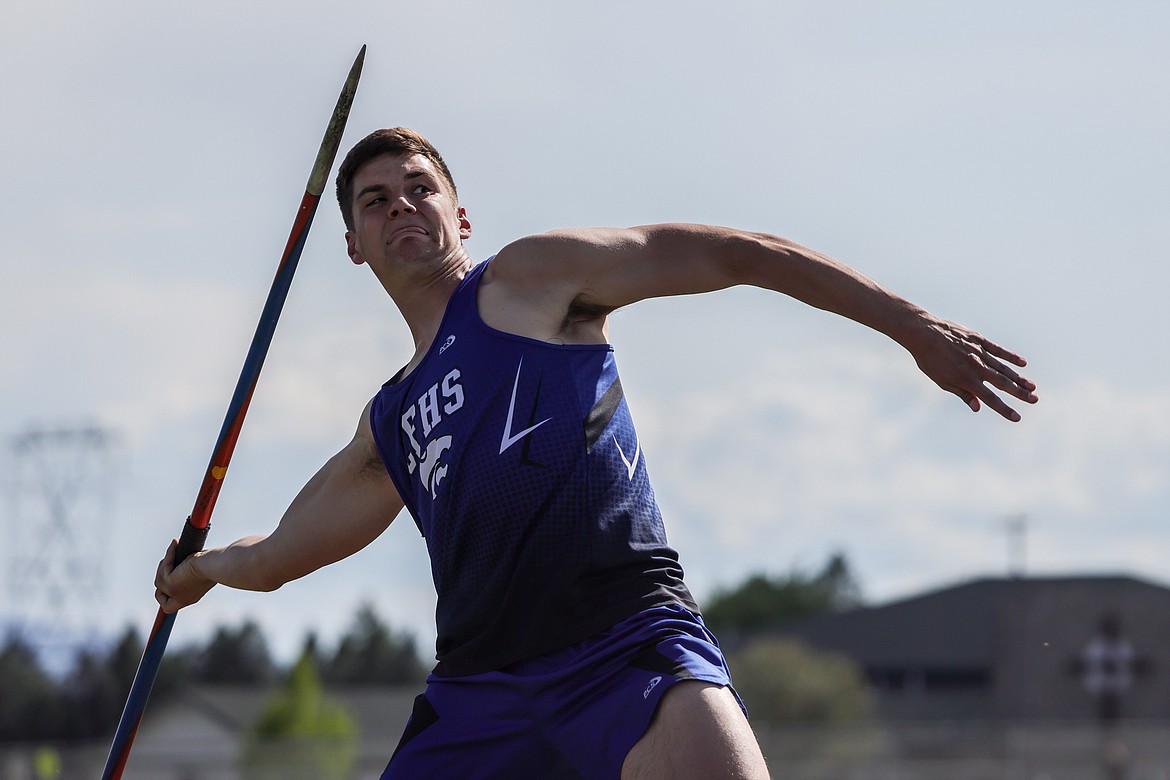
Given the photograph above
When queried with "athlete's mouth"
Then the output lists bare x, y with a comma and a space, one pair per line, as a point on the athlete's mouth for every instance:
406, 230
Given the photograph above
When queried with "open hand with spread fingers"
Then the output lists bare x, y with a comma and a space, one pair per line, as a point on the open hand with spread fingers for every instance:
971, 366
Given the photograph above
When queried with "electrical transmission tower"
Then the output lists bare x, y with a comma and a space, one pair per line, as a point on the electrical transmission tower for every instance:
60, 486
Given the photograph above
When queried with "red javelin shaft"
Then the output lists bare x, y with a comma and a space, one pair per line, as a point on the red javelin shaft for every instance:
197, 525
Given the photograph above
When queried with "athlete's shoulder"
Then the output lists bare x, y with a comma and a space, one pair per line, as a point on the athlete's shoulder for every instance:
554, 246
558, 265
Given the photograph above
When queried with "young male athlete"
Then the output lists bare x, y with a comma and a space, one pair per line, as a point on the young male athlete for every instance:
568, 644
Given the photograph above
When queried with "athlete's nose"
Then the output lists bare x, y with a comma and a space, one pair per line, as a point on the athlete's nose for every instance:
399, 206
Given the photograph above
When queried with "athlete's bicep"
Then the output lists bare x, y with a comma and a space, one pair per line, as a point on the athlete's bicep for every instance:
347, 504
372, 489
606, 268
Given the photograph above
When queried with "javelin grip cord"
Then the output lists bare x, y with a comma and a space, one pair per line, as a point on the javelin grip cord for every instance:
191, 541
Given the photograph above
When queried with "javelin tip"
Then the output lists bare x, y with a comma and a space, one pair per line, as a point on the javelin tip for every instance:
332, 139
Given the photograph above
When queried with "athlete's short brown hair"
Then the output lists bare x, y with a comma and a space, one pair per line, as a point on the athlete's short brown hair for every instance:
394, 141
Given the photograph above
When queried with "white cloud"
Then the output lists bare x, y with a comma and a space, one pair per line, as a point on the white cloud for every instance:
812, 459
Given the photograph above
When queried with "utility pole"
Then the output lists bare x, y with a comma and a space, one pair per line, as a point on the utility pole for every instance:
1017, 531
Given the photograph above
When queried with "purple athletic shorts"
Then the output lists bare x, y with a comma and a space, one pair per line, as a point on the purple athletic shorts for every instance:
573, 713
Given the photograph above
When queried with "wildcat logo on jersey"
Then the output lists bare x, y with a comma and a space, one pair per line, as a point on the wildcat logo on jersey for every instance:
418, 422
429, 470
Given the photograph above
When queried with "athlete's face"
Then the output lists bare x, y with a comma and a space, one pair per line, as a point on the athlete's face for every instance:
404, 211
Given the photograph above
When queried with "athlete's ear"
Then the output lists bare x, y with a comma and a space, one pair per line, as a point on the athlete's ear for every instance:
464, 224
352, 250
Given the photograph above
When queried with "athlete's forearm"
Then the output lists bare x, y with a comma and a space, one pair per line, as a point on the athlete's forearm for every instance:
775, 263
181, 586
956, 358
300, 544
239, 565
325, 523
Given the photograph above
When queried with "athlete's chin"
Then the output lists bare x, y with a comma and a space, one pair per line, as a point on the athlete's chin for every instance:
411, 250
424, 258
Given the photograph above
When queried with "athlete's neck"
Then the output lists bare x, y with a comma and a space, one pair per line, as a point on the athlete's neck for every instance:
422, 300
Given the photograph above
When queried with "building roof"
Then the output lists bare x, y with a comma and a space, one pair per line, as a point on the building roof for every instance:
951, 628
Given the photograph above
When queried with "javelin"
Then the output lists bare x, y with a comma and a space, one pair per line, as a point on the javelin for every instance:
199, 523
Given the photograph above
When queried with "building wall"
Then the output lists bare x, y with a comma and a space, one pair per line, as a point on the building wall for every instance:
1041, 631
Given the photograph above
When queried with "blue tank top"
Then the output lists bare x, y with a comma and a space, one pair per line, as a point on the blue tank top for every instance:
519, 462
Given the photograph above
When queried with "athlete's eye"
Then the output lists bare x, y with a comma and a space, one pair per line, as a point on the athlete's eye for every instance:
421, 189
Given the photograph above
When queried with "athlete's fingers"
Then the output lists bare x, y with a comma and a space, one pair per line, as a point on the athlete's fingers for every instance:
1001, 352
166, 565
989, 397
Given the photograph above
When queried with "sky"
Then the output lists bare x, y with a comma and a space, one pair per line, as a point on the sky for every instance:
1002, 164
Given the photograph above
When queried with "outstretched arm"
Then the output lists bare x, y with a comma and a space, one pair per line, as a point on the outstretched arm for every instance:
594, 271
344, 507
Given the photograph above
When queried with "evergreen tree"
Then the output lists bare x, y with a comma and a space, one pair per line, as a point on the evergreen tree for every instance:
836, 580
95, 692
311, 650
762, 602
371, 653
177, 670
91, 696
29, 705
235, 657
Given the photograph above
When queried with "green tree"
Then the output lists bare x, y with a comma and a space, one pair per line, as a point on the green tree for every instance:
46, 763
301, 734
842, 590
91, 697
372, 653
311, 649
29, 705
235, 657
783, 680
124, 656
762, 602
96, 689
177, 670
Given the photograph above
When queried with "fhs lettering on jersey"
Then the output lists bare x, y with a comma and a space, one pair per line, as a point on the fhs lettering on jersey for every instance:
509, 438
631, 467
440, 399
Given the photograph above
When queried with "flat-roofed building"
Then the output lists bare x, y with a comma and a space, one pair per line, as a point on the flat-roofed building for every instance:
1017, 648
